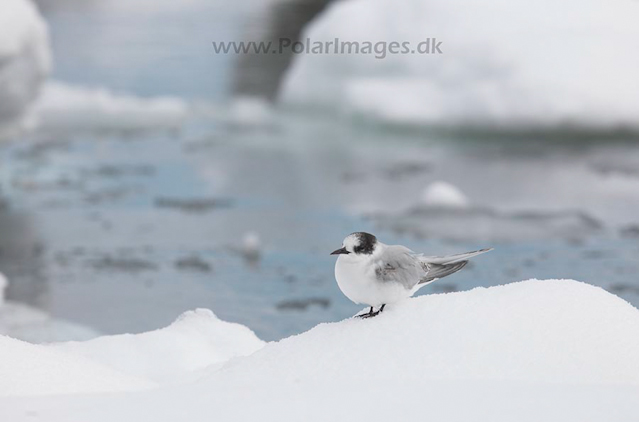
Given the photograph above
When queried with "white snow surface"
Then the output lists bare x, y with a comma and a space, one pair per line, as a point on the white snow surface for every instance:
28, 369
196, 340
552, 350
74, 108
504, 63
557, 331
25, 60
444, 195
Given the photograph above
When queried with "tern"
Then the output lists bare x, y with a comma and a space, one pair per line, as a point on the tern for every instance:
372, 273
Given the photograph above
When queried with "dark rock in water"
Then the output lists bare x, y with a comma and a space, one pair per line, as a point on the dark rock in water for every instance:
444, 287
130, 265
290, 278
303, 304
595, 254
402, 170
624, 169
511, 272
545, 217
620, 288
395, 172
352, 177
260, 75
40, 150
31, 184
631, 231
193, 263
194, 205
108, 195
113, 171
473, 224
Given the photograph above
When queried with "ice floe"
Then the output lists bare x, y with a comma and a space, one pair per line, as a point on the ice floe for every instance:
25, 61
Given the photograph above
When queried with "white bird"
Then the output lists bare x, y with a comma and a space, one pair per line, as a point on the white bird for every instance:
372, 273
251, 248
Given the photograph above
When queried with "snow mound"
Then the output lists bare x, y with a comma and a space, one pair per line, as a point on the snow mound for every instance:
70, 108
549, 64
28, 369
25, 60
553, 331
444, 195
196, 340
486, 354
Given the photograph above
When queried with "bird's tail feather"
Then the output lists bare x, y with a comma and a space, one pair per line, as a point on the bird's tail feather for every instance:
451, 259
437, 271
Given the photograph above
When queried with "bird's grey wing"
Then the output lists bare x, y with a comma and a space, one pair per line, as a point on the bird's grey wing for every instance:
399, 264
451, 259
441, 266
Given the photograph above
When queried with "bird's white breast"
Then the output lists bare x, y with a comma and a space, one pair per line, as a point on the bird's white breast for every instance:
356, 278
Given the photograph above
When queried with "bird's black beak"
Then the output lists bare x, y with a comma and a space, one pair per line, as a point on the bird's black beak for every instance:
340, 251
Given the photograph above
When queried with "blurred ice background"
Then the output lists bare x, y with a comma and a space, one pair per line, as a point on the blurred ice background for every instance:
142, 175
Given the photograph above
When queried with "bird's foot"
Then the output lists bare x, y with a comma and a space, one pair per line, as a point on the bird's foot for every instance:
371, 314
368, 315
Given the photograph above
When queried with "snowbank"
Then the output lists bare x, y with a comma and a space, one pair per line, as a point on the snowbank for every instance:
28, 369
196, 340
554, 64
24, 60
554, 331
555, 350
71, 108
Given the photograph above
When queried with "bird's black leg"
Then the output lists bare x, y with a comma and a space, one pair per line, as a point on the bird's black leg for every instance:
367, 314
371, 314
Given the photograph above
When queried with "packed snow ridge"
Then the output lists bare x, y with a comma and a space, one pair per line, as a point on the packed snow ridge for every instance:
511, 64
486, 354
25, 60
